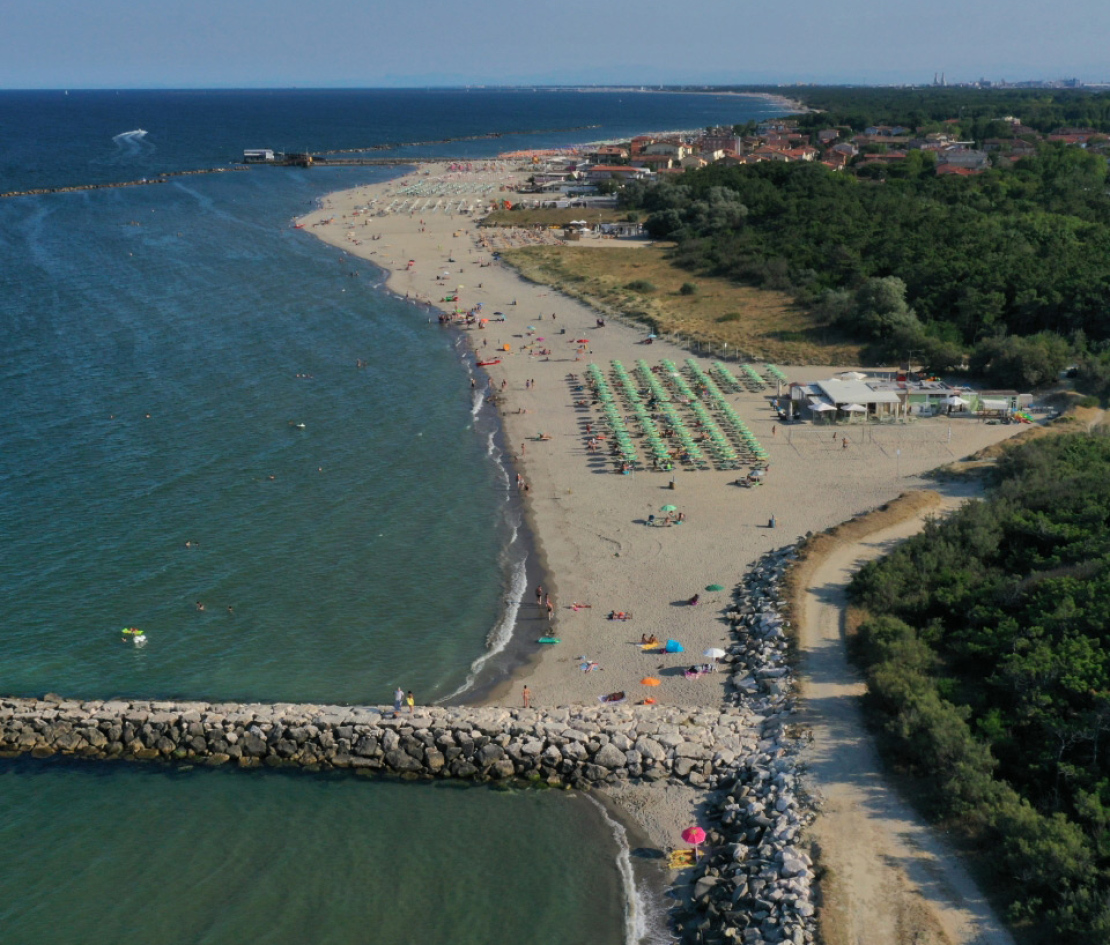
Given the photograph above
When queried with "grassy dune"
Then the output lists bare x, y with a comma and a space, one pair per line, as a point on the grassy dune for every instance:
641, 283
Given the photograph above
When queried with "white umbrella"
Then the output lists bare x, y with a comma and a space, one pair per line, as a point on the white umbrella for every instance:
854, 408
821, 407
714, 652
853, 376
954, 401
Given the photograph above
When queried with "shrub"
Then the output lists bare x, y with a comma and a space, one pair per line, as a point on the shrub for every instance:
640, 285
730, 317
688, 288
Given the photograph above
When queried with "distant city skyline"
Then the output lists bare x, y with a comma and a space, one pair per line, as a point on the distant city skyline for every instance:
340, 43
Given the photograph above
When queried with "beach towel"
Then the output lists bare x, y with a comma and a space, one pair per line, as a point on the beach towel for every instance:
680, 859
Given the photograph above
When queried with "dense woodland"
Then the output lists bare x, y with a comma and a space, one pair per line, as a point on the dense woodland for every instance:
1043, 110
988, 668
1009, 268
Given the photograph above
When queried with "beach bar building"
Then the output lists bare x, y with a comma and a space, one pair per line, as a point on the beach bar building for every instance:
888, 395
845, 400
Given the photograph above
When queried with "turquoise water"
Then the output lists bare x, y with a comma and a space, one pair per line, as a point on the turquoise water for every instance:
227, 857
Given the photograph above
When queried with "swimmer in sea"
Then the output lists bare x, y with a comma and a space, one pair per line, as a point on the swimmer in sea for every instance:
200, 606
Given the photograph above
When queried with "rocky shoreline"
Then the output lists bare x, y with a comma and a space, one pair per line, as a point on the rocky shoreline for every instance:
756, 884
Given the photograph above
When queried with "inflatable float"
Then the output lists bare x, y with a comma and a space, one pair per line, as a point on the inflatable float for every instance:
137, 636
488, 363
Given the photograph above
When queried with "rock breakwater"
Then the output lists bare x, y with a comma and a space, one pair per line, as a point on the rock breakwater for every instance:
578, 746
755, 884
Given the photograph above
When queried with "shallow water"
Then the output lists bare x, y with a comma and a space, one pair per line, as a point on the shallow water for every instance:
151, 391
120, 854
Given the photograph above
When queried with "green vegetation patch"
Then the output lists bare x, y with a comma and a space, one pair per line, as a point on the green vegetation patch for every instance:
987, 652
947, 267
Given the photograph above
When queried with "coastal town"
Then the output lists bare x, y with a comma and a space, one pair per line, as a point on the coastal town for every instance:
781, 140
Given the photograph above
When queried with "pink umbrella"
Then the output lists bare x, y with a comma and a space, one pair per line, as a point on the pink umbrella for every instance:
694, 835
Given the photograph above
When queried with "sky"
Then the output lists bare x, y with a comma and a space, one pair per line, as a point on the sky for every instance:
368, 43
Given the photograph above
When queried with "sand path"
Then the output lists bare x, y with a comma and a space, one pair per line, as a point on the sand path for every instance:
891, 877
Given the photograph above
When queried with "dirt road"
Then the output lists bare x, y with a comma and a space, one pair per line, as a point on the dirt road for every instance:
890, 878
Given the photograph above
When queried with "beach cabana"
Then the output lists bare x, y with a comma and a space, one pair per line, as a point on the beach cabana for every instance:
821, 409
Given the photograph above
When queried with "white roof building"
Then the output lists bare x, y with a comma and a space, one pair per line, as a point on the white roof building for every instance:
839, 392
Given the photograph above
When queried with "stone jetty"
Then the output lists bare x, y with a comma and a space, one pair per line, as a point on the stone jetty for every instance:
753, 885
578, 746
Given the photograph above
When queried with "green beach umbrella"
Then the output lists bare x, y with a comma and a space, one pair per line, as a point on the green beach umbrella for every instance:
669, 508
714, 587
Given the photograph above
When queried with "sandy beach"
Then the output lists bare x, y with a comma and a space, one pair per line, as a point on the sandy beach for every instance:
589, 522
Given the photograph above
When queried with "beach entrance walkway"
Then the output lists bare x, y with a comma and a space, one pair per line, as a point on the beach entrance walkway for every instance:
890, 877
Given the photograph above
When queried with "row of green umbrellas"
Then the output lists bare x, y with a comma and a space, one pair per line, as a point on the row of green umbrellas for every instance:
730, 383
651, 382
613, 419
723, 443
754, 378
658, 447
740, 432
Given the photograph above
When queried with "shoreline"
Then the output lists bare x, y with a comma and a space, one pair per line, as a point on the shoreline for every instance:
588, 523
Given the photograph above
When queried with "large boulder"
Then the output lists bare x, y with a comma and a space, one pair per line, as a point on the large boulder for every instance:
609, 756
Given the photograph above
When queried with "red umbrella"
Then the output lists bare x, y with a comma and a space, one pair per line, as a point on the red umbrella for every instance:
582, 341
694, 835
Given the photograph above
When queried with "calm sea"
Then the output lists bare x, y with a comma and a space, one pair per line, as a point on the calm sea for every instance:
183, 422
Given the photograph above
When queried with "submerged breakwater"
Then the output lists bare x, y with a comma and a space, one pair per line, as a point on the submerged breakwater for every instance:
142, 182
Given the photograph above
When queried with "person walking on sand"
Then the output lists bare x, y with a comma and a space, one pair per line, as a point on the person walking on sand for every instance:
539, 595
550, 607
526, 693
398, 698
410, 701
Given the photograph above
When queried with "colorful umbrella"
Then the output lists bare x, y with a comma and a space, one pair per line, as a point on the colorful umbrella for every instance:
669, 508
650, 681
694, 835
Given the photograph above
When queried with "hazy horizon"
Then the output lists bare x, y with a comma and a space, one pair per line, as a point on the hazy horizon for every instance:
123, 44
